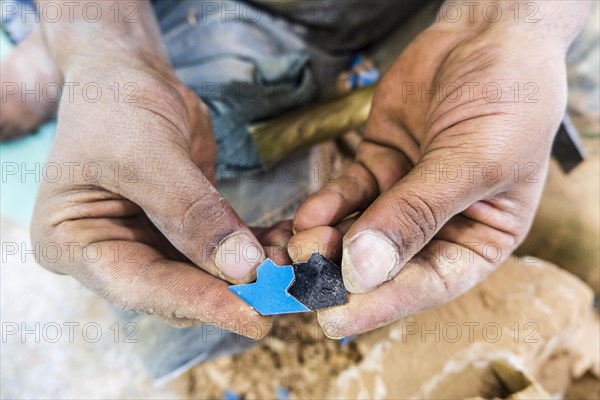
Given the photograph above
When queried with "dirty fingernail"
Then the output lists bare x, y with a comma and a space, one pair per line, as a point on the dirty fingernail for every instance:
367, 261
237, 257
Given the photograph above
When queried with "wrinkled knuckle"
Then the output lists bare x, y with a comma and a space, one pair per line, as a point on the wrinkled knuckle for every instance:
124, 297
50, 245
447, 284
419, 217
63, 232
197, 212
201, 301
333, 190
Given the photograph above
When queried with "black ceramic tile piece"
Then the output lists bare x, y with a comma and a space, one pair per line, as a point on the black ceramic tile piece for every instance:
318, 283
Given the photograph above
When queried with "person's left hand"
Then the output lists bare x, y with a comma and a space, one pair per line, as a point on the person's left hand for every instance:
447, 181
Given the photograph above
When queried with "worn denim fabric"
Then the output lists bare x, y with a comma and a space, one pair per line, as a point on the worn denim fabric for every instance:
250, 61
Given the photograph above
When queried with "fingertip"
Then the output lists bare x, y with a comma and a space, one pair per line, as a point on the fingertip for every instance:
257, 328
331, 322
369, 259
235, 315
246, 321
315, 211
352, 192
322, 239
328, 206
275, 241
237, 257
362, 313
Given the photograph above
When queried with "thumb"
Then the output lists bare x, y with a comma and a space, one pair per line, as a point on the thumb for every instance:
181, 202
401, 222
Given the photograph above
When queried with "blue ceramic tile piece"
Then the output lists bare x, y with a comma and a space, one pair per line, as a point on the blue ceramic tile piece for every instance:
268, 295
231, 395
282, 393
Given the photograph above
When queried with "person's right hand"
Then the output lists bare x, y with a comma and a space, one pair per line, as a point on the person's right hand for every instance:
127, 207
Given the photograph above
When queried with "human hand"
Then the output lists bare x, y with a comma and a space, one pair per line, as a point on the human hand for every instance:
447, 182
134, 212
22, 113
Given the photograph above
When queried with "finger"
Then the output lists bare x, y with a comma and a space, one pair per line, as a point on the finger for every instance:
140, 279
400, 223
193, 216
203, 146
353, 191
346, 224
275, 240
377, 168
20, 114
321, 239
426, 281
259, 231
